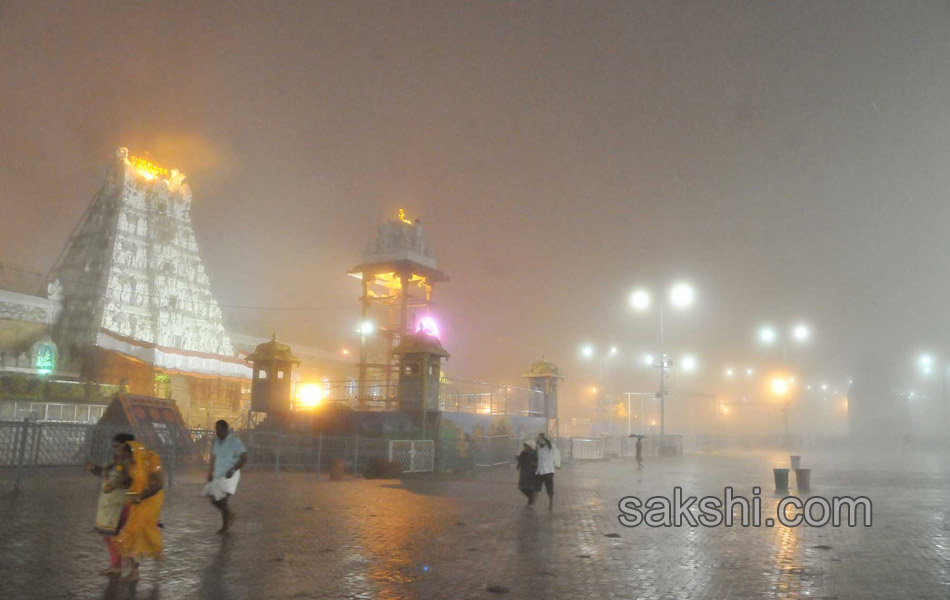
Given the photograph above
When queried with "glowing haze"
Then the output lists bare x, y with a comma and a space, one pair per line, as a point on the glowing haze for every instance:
790, 164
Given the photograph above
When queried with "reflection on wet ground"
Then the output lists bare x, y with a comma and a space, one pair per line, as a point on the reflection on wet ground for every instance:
297, 537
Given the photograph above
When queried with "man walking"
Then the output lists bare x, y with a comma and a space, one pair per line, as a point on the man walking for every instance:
228, 455
639, 450
549, 458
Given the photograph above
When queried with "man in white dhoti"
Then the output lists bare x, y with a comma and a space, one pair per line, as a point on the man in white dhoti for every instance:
228, 455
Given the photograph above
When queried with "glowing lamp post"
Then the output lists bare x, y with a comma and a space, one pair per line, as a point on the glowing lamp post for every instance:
769, 336
688, 363
798, 333
588, 352
780, 387
926, 363
681, 296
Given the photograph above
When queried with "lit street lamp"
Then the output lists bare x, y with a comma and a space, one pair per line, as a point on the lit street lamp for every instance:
688, 363
780, 387
681, 296
926, 362
588, 352
799, 333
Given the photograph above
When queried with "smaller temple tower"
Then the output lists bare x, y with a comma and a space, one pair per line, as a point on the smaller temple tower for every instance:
398, 271
271, 387
420, 370
544, 376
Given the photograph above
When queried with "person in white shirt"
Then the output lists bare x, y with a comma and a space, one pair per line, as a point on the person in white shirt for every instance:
228, 455
549, 458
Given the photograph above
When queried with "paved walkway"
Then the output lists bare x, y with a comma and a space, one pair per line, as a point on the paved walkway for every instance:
300, 538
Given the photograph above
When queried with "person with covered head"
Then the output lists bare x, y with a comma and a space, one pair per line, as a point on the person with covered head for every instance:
528, 481
228, 455
111, 511
549, 459
140, 536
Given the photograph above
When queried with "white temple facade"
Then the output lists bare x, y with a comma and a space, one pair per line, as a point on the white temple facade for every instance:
133, 281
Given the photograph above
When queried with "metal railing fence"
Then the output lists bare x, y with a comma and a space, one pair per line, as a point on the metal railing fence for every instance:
480, 397
28, 445
491, 451
455, 395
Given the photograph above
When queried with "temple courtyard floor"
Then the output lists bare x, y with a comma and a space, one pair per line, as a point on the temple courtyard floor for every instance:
298, 536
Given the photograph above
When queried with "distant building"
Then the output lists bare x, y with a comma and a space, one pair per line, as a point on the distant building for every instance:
25, 321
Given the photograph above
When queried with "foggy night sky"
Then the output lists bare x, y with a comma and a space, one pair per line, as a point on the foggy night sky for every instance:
790, 159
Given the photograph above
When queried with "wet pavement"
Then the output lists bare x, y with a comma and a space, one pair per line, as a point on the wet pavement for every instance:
298, 537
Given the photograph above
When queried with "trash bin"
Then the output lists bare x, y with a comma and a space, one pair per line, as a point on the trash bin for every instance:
803, 480
796, 461
781, 479
337, 466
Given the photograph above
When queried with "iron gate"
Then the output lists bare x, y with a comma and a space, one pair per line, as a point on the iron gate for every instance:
415, 456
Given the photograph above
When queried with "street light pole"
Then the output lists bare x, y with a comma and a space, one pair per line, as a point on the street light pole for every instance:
662, 382
943, 398
927, 363
799, 333
681, 295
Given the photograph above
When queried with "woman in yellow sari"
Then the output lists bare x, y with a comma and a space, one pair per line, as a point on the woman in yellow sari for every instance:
141, 536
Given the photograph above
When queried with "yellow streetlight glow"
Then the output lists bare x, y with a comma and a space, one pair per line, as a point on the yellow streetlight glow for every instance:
310, 395
779, 386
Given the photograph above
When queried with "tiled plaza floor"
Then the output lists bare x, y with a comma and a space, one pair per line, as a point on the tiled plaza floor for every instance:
298, 537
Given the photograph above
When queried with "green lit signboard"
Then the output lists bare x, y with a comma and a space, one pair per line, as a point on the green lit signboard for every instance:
44, 357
